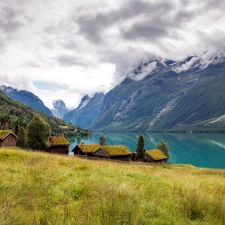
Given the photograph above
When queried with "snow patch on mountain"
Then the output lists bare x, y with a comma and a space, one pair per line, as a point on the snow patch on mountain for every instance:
216, 120
169, 106
7, 90
84, 102
59, 109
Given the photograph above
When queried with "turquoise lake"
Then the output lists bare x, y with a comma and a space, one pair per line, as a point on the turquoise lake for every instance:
201, 150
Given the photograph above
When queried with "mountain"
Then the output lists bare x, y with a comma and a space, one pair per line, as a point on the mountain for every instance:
14, 113
26, 98
169, 96
59, 109
86, 112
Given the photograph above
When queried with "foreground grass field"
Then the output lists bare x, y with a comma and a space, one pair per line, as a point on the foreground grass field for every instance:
39, 188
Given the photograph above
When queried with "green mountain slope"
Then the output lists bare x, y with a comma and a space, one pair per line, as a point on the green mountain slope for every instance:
167, 101
27, 98
88, 109
13, 113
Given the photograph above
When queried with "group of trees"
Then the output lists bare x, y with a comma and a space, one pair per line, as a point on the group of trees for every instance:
140, 150
36, 135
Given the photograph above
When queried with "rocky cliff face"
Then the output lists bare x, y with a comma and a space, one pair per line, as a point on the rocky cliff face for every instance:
175, 96
27, 98
60, 109
86, 112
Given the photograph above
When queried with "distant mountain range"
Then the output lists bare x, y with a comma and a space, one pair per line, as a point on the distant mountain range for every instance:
88, 110
27, 98
158, 95
33, 101
162, 95
14, 114
60, 108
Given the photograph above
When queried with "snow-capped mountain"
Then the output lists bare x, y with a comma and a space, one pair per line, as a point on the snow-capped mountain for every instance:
59, 109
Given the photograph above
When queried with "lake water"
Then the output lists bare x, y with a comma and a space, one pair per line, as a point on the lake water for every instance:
201, 150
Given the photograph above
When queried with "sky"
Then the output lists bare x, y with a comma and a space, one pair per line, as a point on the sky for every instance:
66, 49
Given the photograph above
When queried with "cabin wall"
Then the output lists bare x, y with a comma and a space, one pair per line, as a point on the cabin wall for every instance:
100, 153
59, 150
121, 158
148, 159
77, 151
10, 140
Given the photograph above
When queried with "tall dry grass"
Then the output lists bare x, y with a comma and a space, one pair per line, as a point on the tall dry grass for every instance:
38, 188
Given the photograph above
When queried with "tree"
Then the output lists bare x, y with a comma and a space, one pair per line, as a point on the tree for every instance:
162, 146
140, 151
22, 137
38, 132
102, 140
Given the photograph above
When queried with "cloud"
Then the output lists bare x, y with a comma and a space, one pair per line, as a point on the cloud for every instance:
215, 39
143, 71
16, 81
69, 60
90, 46
9, 20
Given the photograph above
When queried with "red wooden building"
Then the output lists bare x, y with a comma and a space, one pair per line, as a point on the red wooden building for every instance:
58, 145
86, 149
119, 152
7, 138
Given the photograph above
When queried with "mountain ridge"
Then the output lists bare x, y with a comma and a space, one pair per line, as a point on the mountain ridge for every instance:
86, 112
27, 98
170, 98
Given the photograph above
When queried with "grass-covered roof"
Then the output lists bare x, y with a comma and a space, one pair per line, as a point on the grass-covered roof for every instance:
156, 154
89, 148
5, 133
58, 141
117, 150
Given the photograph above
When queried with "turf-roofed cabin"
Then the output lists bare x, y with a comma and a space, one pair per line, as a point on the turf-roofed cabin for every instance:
86, 149
7, 138
58, 144
155, 156
118, 152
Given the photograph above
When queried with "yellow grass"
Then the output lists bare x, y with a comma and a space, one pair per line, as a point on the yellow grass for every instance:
40, 188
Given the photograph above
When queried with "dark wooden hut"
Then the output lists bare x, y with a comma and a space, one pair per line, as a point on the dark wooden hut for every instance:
119, 152
58, 145
7, 138
155, 156
85, 149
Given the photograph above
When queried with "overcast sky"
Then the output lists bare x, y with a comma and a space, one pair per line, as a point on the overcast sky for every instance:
64, 49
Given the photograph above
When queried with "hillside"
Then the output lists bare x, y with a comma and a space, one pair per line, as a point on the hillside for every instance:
13, 113
86, 112
39, 188
27, 98
168, 99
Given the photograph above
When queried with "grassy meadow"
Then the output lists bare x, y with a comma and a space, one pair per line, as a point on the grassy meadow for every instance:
40, 188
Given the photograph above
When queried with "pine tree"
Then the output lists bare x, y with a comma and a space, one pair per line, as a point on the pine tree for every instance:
140, 150
162, 146
22, 137
102, 140
38, 132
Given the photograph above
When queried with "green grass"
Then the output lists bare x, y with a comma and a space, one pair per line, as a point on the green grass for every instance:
40, 188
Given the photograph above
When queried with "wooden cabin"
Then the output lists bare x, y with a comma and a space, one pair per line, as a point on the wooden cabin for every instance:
7, 138
86, 149
155, 156
119, 152
58, 145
